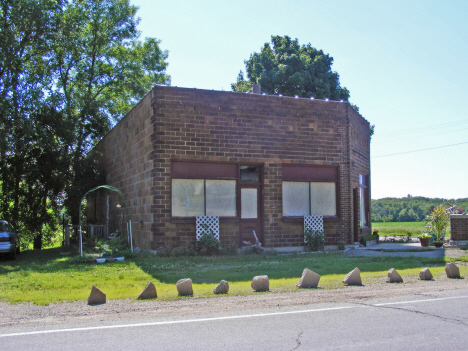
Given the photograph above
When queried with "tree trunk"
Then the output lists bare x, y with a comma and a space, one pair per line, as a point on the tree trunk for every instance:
38, 241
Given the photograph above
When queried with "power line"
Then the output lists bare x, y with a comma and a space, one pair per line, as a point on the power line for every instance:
417, 137
431, 148
426, 128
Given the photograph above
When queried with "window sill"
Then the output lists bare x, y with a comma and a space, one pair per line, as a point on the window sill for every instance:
193, 220
301, 219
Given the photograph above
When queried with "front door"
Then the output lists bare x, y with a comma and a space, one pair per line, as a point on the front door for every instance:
251, 205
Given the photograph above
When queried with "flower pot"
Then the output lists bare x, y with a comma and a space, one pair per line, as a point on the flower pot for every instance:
424, 241
438, 243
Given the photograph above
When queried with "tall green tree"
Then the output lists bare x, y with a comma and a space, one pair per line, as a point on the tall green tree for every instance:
69, 70
287, 68
26, 33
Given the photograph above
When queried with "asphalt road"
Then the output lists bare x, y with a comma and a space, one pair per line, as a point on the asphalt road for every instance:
434, 321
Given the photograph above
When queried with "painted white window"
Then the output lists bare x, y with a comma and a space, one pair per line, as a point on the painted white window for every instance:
322, 198
200, 197
221, 198
309, 198
188, 197
296, 199
249, 202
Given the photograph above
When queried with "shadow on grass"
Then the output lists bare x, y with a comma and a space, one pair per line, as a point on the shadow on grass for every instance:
244, 267
214, 268
47, 260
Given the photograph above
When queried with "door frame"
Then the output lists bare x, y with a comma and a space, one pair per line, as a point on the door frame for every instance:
356, 225
260, 201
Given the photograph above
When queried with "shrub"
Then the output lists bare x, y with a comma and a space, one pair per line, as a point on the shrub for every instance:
207, 244
165, 251
314, 239
228, 250
118, 243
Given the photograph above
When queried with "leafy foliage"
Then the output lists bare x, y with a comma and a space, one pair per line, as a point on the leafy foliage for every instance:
242, 85
314, 239
287, 68
68, 71
438, 221
207, 244
409, 209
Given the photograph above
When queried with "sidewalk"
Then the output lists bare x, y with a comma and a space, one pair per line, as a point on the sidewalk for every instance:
396, 246
397, 249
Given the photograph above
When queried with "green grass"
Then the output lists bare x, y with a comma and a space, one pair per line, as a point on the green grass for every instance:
48, 276
399, 228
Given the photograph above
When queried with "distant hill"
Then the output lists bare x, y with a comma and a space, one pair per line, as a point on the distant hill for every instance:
409, 209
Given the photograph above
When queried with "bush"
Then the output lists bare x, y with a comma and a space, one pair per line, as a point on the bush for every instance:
207, 244
314, 239
165, 251
119, 243
228, 250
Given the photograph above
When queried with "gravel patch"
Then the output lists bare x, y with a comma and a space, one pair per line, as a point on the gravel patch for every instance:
113, 311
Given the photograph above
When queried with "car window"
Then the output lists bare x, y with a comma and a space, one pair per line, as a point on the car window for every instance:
4, 227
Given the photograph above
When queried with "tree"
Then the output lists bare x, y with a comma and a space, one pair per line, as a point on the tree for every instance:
286, 68
241, 85
69, 70
27, 31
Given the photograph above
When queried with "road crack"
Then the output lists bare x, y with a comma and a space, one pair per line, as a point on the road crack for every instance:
298, 340
445, 319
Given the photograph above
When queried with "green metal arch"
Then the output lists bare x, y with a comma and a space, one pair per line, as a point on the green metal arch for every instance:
107, 187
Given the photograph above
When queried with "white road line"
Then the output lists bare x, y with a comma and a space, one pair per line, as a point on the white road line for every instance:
219, 318
415, 301
177, 322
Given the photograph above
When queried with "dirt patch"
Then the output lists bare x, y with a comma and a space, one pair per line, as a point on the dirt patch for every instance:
115, 310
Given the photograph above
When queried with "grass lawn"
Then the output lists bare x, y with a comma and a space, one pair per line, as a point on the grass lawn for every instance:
48, 276
399, 228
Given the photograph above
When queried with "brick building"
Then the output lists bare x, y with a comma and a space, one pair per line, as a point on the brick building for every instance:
259, 162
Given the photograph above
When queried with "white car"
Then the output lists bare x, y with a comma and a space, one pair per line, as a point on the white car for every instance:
9, 242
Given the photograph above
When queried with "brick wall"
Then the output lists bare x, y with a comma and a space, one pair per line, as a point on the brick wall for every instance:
359, 146
459, 227
192, 124
128, 163
189, 124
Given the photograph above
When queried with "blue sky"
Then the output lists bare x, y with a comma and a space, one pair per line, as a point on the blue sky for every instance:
404, 62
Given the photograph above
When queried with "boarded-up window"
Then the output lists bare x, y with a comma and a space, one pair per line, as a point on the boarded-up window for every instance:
221, 198
306, 198
188, 197
199, 197
323, 198
249, 202
204, 188
309, 190
296, 199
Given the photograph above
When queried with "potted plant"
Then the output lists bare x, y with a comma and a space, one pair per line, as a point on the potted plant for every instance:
437, 223
424, 239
